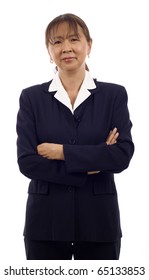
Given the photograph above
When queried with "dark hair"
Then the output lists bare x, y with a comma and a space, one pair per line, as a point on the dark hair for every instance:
73, 22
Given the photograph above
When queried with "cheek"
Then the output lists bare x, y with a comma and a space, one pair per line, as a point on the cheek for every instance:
83, 49
55, 54
51, 52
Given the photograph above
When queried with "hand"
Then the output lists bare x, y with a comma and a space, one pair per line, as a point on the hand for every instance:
112, 137
51, 151
92, 172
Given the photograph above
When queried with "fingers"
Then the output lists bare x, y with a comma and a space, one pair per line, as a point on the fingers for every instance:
51, 151
42, 149
112, 137
92, 172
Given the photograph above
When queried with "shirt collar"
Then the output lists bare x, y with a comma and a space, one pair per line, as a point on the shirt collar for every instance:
62, 96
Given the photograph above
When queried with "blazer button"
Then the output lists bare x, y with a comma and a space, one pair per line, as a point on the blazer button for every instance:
77, 118
72, 141
69, 189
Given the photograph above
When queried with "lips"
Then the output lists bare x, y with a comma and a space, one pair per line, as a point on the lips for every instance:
68, 58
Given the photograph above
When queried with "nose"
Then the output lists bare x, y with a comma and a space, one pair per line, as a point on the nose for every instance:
66, 48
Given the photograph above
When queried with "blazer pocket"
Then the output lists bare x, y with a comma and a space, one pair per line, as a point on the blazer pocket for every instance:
38, 187
104, 184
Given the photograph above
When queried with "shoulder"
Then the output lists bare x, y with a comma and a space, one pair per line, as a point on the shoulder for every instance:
110, 89
34, 94
109, 86
36, 88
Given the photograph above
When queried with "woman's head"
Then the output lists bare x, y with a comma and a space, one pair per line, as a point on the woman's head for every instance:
73, 22
68, 41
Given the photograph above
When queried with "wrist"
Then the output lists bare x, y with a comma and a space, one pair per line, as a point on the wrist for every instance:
61, 152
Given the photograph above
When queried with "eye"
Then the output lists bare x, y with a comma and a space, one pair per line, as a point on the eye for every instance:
57, 42
74, 39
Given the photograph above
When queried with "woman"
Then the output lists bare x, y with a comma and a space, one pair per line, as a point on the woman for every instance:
73, 135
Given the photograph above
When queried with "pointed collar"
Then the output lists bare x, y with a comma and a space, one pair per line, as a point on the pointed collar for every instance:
61, 94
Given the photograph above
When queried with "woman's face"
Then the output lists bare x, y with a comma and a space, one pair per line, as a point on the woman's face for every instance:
67, 49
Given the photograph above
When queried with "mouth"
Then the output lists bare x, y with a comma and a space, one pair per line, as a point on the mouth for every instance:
70, 58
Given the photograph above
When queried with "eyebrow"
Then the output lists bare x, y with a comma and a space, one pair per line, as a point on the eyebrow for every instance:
68, 36
57, 37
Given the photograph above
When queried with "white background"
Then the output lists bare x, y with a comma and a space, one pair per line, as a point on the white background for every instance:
120, 54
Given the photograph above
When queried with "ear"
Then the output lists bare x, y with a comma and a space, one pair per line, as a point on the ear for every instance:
49, 52
89, 47
51, 59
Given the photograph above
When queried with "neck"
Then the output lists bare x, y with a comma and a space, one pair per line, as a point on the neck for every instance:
72, 80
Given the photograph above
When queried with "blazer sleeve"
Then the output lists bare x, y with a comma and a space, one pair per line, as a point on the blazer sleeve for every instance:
30, 163
111, 158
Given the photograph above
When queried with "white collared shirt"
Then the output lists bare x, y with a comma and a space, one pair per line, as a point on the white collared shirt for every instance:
62, 96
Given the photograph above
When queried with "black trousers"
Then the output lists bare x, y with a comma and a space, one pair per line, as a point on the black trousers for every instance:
56, 250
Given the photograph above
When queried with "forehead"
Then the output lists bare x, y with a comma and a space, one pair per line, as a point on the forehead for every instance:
65, 29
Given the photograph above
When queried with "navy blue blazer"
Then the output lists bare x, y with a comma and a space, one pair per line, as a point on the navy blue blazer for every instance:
64, 203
